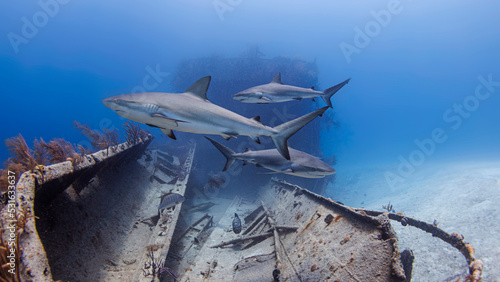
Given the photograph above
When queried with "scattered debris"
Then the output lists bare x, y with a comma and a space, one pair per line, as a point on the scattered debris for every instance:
250, 261
201, 207
254, 237
129, 262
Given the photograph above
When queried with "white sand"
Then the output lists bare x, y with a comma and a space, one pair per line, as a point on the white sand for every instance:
463, 198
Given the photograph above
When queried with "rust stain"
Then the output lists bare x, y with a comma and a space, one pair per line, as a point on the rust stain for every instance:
307, 226
346, 239
338, 217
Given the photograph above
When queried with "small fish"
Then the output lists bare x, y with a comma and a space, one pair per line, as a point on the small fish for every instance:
236, 224
215, 181
170, 200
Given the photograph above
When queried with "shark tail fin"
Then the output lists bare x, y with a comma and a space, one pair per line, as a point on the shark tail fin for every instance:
287, 129
328, 93
228, 153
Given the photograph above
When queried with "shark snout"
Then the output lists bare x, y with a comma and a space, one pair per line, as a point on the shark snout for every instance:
238, 96
109, 102
326, 171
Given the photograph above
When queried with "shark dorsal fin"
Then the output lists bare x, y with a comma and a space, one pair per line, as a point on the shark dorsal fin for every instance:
277, 78
257, 119
200, 87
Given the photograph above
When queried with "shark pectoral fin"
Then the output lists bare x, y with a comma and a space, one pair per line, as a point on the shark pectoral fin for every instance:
228, 135
169, 133
266, 99
170, 121
199, 88
256, 139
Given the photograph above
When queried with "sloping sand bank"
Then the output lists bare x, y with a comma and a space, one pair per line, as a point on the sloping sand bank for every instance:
461, 197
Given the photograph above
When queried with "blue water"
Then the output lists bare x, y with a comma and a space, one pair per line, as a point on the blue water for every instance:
412, 63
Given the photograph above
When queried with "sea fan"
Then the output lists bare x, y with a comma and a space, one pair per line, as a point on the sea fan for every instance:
20, 152
59, 150
112, 136
98, 140
40, 153
93, 135
134, 132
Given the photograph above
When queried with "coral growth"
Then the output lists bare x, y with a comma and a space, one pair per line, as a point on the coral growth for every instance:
24, 158
40, 153
7, 273
134, 133
58, 150
21, 160
20, 152
98, 140
388, 208
153, 267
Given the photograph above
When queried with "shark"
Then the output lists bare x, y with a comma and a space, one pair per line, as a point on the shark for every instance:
301, 164
277, 92
191, 111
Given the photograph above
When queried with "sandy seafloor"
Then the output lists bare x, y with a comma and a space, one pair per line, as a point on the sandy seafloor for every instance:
462, 197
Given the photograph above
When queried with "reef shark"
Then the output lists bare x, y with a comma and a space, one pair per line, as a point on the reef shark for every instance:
276, 92
301, 164
191, 111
